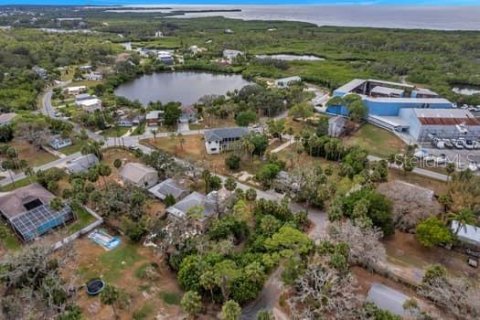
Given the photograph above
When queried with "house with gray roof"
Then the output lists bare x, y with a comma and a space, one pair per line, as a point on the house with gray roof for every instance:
169, 187
210, 205
58, 142
221, 139
27, 210
139, 175
387, 298
82, 163
466, 233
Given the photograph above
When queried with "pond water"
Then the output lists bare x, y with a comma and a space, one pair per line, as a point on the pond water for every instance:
467, 90
290, 57
185, 87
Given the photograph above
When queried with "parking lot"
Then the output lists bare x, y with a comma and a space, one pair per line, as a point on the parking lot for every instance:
462, 158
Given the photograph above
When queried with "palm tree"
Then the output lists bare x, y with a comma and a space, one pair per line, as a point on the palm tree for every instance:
104, 171
450, 168
93, 147
463, 218
249, 147
182, 140
154, 132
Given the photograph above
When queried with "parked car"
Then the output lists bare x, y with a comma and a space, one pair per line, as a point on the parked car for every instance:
476, 145
468, 144
133, 148
457, 144
448, 143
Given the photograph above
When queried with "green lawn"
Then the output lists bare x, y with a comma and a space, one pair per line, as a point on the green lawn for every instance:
18, 184
8, 239
115, 132
376, 141
76, 147
83, 219
112, 263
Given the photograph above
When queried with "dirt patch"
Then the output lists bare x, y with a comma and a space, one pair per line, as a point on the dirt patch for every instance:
403, 249
193, 150
30, 153
94, 261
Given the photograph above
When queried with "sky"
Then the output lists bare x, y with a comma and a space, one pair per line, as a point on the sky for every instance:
248, 2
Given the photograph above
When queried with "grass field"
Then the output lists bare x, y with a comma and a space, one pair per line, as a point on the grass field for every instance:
376, 141
194, 150
75, 147
115, 132
18, 184
8, 239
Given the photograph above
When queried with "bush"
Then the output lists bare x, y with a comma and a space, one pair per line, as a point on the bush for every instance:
232, 162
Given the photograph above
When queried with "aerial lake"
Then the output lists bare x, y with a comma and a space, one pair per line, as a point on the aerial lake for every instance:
289, 57
185, 87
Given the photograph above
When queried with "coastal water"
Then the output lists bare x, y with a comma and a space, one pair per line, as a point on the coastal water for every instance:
185, 87
406, 14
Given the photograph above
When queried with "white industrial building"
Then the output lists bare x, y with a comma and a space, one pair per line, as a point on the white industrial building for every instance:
442, 123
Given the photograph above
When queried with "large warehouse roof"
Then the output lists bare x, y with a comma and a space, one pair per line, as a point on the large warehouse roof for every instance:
446, 117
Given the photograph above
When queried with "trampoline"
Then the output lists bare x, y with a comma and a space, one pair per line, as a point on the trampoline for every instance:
95, 286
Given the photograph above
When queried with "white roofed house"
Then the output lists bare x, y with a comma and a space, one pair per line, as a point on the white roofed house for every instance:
286, 82
93, 76
75, 90
230, 55
221, 139
467, 234
139, 175
155, 118
59, 142
88, 102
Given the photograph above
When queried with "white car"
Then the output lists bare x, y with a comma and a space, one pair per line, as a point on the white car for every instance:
473, 166
468, 144
457, 144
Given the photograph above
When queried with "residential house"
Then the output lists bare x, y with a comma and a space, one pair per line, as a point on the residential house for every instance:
467, 234
58, 142
82, 163
189, 115
169, 187
139, 175
209, 205
194, 50
6, 118
88, 102
230, 55
85, 68
154, 118
27, 210
76, 90
165, 57
93, 76
286, 82
159, 34
221, 139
